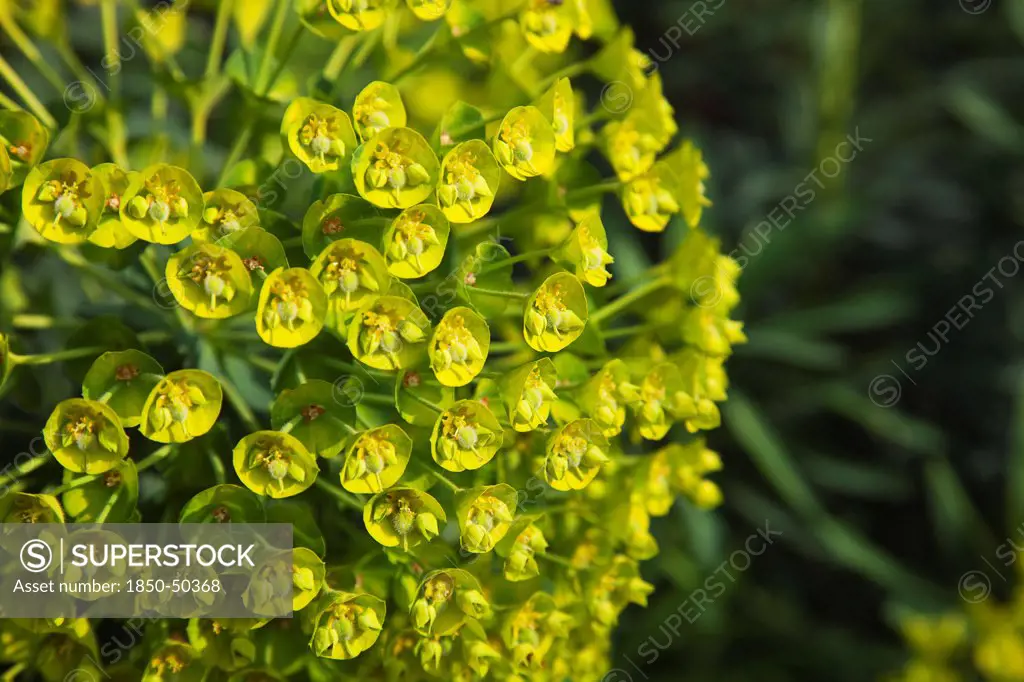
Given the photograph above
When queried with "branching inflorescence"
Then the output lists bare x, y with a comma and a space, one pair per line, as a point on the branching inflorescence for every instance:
470, 444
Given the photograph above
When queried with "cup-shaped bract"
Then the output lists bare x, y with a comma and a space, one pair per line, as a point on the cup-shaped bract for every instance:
631, 146
429, 10
351, 272
17, 507
183, 405
62, 200
376, 459
274, 464
292, 308
403, 517
319, 135
605, 396
555, 314
415, 399
313, 413
485, 514
415, 242
123, 380
209, 281
340, 216
25, 140
388, 333
655, 409
547, 25
359, 15
586, 251
347, 624
163, 204
470, 176
649, 200
110, 232
396, 168
525, 143
261, 253
519, 548
227, 211
528, 392
85, 436
466, 436
689, 172
575, 453
445, 600
86, 503
377, 106
559, 106
308, 573
458, 348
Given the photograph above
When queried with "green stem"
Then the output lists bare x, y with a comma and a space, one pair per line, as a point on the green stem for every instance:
440, 477
118, 137
517, 295
291, 424
337, 493
507, 346
9, 104
26, 94
29, 321
31, 52
237, 149
630, 331
109, 506
426, 403
241, 407
289, 49
421, 56
262, 77
600, 188
24, 470
58, 356
220, 34
554, 558
528, 255
574, 69
154, 458
623, 302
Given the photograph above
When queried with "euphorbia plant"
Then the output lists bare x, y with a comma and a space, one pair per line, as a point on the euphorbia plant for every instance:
422, 357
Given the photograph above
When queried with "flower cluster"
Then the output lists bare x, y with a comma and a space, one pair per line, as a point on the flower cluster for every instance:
467, 417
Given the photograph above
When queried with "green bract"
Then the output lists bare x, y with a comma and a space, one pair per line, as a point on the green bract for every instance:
85, 436
525, 143
605, 396
183, 405
25, 140
586, 251
377, 107
403, 517
312, 414
318, 134
520, 547
18, 507
291, 309
395, 168
558, 104
556, 313
469, 181
351, 272
458, 348
527, 392
347, 624
575, 454
111, 232
376, 459
415, 242
62, 200
274, 464
227, 212
225, 503
388, 333
485, 514
123, 380
466, 436
446, 600
358, 15
429, 10
163, 204
209, 280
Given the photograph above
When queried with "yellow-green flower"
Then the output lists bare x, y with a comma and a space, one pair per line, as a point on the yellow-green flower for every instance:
227, 211
358, 15
307, 577
548, 25
123, 380
445, 600
396, 168
376, 459
575, 454
274, 464
184, 405
525, 143
376, 107
209, 280
429, 10
520, 547
466, 436
685, 468
528, 392
111, 233
469, 180
485, 514
711, 333
631, 146
531, 630
85, 436
414, 244
605, 396
291, 309
389, 333
25, 140
610, 590
16, 507
163, 204
62, 200
689, 172
559, 106
458, 348
348, 624
319, 135
351, 273
556, 313
649, 200
403, 516
586, 250
174, 661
